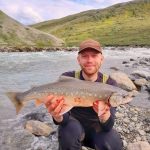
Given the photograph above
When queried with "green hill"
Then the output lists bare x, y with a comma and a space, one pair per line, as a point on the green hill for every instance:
119, 25
12, 33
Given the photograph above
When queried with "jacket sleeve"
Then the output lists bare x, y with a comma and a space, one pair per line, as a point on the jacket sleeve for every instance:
107, 126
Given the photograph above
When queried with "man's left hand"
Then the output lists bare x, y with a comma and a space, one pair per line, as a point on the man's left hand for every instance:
102, 109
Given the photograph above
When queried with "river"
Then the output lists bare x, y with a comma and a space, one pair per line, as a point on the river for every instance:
21, 70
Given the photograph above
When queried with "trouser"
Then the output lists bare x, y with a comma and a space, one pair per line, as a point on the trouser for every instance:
72, 136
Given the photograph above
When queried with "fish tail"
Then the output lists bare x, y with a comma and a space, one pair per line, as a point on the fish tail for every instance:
13, 97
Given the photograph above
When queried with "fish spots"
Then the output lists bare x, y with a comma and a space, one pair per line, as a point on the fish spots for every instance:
106, 95
76, 92
100, 96
77, 100
95, 95
71, 94
89, 94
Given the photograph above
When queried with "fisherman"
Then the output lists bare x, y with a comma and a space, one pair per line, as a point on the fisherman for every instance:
86, 126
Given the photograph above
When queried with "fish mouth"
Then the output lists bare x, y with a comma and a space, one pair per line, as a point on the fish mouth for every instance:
118, 99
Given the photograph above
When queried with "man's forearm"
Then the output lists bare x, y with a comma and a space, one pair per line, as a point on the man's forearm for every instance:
63, 120
103, 118
58, 119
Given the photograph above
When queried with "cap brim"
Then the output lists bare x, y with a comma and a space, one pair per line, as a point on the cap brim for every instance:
85, 48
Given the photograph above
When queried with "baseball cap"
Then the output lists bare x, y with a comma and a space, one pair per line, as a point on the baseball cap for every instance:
90, 43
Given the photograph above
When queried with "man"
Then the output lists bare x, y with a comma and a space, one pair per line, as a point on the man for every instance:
88, 126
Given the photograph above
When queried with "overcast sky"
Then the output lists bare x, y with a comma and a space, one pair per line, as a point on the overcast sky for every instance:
34, 11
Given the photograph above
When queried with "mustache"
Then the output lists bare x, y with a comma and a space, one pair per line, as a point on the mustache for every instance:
89, 64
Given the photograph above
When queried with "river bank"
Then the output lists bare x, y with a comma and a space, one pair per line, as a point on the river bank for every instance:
131, 122
51, 49
21, 70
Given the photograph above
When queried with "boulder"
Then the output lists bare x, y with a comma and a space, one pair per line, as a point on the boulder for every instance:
140, 82
13, 136
38, 128
139, 146
142, 73
123, 81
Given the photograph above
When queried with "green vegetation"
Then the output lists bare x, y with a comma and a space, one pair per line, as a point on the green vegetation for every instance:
126, 24
12, 33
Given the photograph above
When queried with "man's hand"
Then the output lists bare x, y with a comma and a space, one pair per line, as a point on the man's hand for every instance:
102, 109
54, 106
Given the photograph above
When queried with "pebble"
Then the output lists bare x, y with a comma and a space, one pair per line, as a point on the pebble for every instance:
132, 127
141, 132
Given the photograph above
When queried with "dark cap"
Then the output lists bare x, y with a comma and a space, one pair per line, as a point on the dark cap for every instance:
90, 44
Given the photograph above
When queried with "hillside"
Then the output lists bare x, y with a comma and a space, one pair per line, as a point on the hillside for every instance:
12, 33
119, 25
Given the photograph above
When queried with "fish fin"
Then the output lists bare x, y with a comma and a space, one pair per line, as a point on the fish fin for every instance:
38, 102
13, 97
33, 86
66, 78
65, 109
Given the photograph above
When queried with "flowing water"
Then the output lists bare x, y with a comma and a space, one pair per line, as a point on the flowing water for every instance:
20, 71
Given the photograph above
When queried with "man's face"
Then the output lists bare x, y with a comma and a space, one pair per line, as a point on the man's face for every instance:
90, 61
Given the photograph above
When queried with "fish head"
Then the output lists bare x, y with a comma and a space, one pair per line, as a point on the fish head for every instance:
117, 99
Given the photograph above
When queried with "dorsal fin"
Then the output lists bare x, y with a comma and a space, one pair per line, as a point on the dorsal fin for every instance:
66, 78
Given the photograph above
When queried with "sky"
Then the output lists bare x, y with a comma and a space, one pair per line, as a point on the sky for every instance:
30, 12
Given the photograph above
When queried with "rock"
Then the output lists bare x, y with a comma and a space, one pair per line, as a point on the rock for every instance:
119, 115
13, 136
35, 116
114, 68
126, 120
122, 48
142, 73
127, 66
15, 139
138, 138
131, 59
133, 93
131, 122
140, 82
144, 62
125, 62
134, 119
148, 87
123, 80
138, 146
38, 128
141, 132
124, 143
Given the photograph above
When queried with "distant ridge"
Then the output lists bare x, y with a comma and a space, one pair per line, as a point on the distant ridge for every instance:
13, 33
123, 24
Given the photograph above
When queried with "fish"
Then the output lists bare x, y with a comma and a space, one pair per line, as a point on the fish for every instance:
76, 93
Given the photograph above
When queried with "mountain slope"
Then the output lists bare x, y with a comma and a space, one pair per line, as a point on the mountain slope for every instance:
121, 24
15, 34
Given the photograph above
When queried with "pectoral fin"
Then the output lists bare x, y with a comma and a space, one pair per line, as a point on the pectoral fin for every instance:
38, 102
65, 109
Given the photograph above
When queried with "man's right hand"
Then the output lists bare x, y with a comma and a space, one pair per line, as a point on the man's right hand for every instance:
54, 105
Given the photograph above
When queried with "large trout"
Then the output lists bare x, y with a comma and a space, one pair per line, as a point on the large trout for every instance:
75, 92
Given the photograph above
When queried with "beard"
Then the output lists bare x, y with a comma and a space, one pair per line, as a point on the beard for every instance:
90, 71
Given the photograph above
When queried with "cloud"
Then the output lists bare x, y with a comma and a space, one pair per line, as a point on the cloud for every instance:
34, 11
21, 11
26, 15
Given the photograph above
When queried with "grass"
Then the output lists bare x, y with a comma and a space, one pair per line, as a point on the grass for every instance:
119, 25
12, 33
